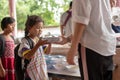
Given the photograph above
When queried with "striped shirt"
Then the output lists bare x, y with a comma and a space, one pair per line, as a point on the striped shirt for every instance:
36, 69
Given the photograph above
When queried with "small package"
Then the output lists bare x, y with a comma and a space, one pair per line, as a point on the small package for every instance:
51, 39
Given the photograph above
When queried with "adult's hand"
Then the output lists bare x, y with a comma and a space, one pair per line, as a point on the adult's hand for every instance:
71, 55
113, 3
62, 41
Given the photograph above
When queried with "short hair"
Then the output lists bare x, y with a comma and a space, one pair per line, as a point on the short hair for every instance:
5, 21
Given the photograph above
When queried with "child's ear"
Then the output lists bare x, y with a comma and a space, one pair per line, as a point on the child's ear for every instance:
28, 28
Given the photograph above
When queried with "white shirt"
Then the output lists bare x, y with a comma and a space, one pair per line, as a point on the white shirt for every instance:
67, 28
98, 35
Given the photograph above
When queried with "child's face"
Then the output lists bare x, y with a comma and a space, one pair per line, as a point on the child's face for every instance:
10, 27
36, 30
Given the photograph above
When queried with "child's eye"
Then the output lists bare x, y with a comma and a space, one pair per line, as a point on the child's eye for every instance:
38, 27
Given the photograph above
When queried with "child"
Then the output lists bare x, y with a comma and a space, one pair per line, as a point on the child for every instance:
36, 69
7, 58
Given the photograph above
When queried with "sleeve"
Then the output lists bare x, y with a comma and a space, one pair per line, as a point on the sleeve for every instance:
24, 47
62, 18
1, 48
44, 47
2, 45
81, 10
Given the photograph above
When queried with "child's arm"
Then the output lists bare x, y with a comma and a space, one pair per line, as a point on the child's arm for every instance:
2, 70
47, 49
31, 52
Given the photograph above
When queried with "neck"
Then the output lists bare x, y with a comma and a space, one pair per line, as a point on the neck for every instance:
6, 33
32, 36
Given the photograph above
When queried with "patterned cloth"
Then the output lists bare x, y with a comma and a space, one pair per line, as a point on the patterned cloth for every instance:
8, 61
36, 69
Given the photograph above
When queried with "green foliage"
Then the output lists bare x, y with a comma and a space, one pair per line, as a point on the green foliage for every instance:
49, 10
4, 8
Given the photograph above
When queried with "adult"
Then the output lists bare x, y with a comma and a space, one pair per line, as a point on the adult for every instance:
92, 29
65, 25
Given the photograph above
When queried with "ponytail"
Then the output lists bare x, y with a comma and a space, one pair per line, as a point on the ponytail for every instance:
26, 32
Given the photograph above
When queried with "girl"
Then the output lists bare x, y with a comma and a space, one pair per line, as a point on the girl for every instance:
36, 69
7, 58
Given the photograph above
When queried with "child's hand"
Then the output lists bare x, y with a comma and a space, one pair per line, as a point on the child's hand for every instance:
47, 49
42, 42
2, 72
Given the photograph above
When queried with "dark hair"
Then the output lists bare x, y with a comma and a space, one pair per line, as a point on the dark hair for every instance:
5, 21
31, 21
70, 5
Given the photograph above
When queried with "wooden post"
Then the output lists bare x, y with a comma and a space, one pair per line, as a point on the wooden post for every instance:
12, 12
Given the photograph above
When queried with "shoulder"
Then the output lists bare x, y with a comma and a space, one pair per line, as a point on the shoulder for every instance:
12, 37
2, 39
1, 36
24, 40
65, 14
27, 41
24, 45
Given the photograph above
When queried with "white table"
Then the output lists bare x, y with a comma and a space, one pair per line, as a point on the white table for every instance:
63, 73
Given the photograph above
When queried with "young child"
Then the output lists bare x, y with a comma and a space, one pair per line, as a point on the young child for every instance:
36, 69
7, 58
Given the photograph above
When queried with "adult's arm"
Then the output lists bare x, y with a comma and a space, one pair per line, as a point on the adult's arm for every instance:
61, 30
2, 70
78, 32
